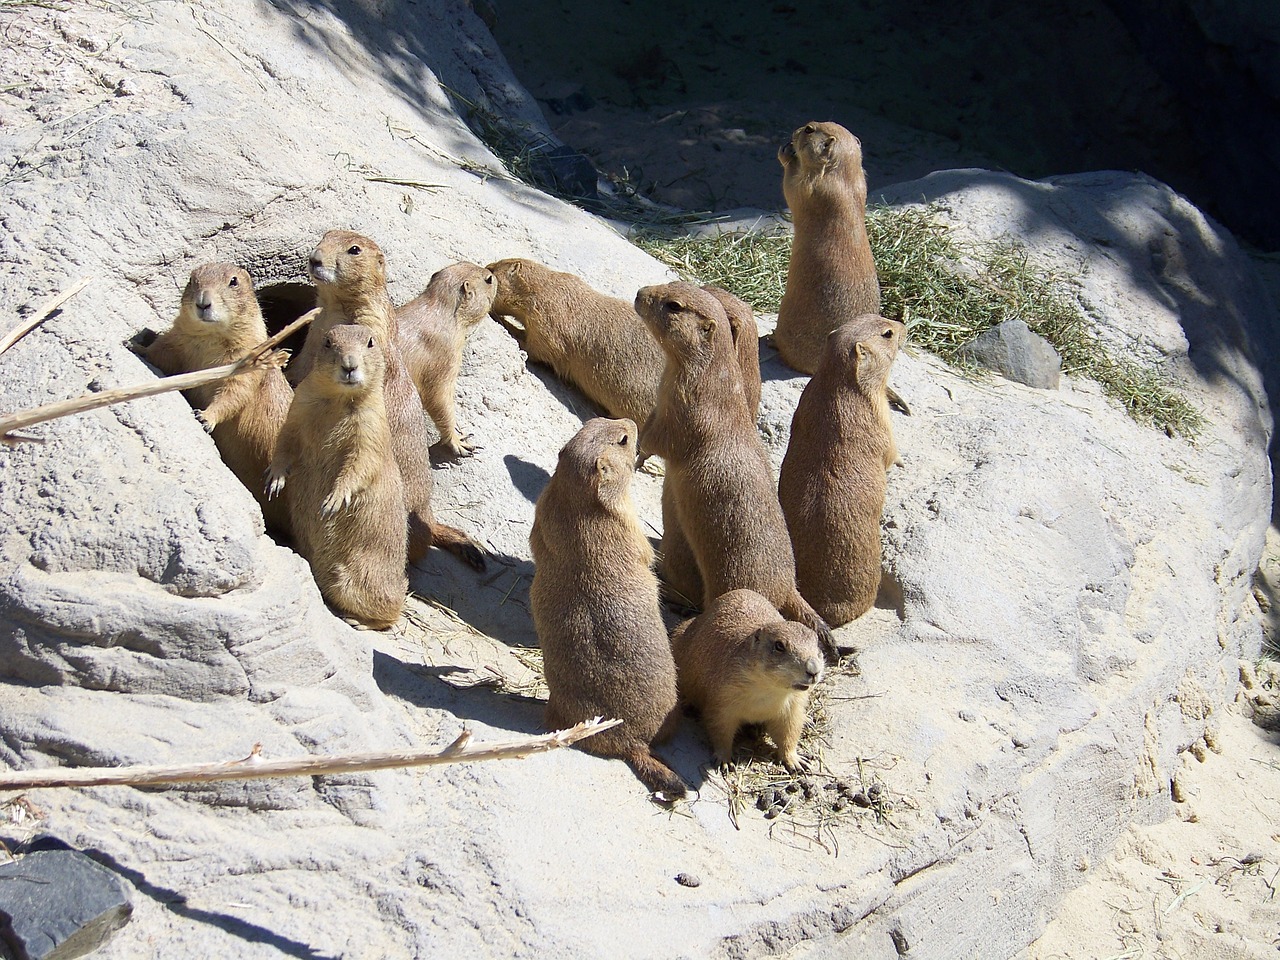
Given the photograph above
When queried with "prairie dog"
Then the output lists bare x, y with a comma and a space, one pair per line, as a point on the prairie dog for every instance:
432, 332
832, 483
739, 662
335, 463
218, 322
595, 604
831, 277
350, 274
593, 341
721, 487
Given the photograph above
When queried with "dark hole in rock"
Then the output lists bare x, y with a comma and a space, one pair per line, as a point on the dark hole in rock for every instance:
283, 303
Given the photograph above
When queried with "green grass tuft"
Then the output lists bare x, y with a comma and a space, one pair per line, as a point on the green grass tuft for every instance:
946, 293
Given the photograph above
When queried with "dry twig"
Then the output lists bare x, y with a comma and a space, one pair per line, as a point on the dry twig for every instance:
42, 313
254, 767
263, 355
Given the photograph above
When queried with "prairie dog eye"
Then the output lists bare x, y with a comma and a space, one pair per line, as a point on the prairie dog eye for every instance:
371, 343
888, 334
233, 282
328, 343
779, 646
623, 441
354, 250
672, 306
488, 278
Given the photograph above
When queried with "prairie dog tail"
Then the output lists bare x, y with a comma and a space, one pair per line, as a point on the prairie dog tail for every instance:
459, 544
656, 775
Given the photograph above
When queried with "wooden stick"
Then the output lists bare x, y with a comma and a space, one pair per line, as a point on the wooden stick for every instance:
263, 355
253, 766
42, 313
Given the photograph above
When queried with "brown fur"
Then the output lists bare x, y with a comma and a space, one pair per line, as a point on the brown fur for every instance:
832, 483
350, 273
740, 662
746, 343
432, 331
593, 341
721, 488
832, 275
595, 604
218, 323
335, 464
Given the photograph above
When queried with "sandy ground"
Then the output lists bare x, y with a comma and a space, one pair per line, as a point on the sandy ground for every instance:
701, 132
1202, 885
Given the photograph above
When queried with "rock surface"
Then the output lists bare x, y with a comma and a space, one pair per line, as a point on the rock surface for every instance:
1075, 587
59, 904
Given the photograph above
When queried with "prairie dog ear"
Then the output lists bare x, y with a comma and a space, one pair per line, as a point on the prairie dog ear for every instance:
517, 268
604, 469
709, 327
467, 289
860, 351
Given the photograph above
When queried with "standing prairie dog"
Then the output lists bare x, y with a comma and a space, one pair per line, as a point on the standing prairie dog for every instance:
432, 332
593, 341
218, 322
350, 274
832, 482
739, 662
721, 489
335, 463
595, 605
832, 276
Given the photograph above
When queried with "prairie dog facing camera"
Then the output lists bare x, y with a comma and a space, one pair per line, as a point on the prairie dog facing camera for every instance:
740, 662
218, 322
335, 463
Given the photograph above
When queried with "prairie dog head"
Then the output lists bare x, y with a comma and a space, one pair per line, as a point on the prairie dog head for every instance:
602, 458
862, 350
786, 655
514, 280
218, 299
348, 261
683, 318
467, 288
821, 156
351, 359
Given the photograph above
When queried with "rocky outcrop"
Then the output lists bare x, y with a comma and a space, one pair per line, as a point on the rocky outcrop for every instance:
1072, 587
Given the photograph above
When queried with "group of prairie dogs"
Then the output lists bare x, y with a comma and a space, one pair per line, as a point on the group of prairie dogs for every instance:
340, 461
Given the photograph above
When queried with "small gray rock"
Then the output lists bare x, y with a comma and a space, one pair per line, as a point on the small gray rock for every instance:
1014, 352
59, 904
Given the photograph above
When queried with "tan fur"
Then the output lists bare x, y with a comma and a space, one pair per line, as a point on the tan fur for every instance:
595, 604
739, 663
218, 322
350, 274
432, 331
335, 464
832, 275
746, 343
595, 342
721, 488
832, 483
